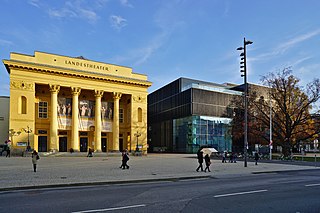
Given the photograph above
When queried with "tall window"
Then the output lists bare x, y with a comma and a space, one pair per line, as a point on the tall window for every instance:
121, 115
139, 114
22, 105
43, 109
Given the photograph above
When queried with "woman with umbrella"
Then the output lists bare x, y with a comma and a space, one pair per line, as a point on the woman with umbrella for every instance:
207, 152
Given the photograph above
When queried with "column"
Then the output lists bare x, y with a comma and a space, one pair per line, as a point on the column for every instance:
54, 142
97, 121
115, 125
75, 118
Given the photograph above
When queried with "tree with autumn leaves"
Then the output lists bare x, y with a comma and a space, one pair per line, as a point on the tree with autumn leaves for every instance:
293, 114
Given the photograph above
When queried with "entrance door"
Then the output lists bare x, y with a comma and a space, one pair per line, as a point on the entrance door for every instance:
83, 144
120, 144
104, 144
42, 143
63, 144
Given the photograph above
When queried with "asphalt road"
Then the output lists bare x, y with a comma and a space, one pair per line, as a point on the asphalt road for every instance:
293, 191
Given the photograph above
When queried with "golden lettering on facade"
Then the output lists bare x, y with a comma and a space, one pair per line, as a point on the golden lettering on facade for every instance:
21, 85
86, 65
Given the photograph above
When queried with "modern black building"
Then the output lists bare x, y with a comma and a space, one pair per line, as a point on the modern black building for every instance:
187, 114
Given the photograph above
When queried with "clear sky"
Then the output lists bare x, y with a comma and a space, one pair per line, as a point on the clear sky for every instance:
168, 39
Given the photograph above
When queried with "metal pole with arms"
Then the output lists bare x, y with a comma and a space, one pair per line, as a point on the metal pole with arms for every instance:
243, 66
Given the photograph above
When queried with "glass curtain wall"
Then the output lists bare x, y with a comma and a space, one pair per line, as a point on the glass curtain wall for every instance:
191, 133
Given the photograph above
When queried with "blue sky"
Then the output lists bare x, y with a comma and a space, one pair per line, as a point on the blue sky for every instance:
168, 39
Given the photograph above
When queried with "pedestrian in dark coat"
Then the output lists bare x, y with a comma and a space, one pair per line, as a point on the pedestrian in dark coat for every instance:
8, 151
231, 158
256, 157
224, 155
7, 148
90, 152
200, 160
208, 162
125, 159
35, 157
235, 156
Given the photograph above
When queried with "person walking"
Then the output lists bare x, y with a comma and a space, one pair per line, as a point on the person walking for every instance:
208, 162
8, 151
200, 160
35, 157
90, 152
6, 148
235, 156
230, 157
224, 155
125, 159
256, 157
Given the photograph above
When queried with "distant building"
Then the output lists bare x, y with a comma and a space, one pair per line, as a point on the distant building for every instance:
60, 103
187, 114
4, 118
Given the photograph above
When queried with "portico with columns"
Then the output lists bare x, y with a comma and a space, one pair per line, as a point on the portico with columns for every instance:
74, 104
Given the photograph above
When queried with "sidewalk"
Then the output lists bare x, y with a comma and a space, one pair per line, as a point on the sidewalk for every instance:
17, 172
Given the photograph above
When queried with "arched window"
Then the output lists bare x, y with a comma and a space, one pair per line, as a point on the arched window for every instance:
139, 114
22, 105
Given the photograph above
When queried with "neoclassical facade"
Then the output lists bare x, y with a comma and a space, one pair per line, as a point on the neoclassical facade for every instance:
60, 103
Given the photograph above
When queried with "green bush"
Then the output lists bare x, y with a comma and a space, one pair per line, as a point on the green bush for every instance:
309, 159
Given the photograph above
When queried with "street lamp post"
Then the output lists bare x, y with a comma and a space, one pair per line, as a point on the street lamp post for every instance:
270, 129
315, 146
28, 130
138, 134
243, 66
12, 133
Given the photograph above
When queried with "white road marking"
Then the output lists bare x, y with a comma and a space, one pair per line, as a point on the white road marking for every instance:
316, 184
111, 209
241, 193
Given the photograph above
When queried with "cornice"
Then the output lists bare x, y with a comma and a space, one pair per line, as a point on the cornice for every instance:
53, 70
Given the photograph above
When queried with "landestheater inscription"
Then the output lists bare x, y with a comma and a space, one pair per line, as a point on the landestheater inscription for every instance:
87, 65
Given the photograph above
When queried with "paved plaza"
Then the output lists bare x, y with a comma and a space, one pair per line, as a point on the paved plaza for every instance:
17, 172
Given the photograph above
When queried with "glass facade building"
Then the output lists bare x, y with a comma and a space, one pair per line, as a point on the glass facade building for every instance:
187, 114
192, 132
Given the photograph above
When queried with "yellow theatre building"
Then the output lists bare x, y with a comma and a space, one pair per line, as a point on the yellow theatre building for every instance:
60, 104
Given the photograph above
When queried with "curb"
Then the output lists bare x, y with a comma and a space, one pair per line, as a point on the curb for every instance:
264, 172
174, 179
284, 171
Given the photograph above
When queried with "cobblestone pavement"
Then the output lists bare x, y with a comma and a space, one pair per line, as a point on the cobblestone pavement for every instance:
17, 172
